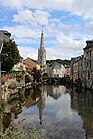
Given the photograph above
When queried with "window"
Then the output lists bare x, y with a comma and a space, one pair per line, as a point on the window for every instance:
90, 63
90, 53
88, 75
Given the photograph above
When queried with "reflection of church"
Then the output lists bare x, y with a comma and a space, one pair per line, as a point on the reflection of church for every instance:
41, 103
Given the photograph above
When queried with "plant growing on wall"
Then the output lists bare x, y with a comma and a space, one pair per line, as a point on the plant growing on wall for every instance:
13, 85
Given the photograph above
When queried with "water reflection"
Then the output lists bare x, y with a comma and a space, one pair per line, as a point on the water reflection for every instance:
59, 111
82, 102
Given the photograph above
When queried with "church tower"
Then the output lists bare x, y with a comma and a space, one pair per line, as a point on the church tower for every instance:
42, 52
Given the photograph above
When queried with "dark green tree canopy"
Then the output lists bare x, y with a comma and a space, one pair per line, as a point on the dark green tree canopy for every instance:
13, 57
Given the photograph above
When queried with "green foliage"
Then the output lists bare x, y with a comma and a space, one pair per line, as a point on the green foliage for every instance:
18, 132
13, 57
64, 62
19, 75
13, 85
2, 104
30, 72
28, 78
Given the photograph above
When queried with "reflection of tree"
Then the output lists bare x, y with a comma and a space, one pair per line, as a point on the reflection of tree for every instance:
41, 104
83, 102
11, 111
7, 118
36, 75
32, 96
1, 117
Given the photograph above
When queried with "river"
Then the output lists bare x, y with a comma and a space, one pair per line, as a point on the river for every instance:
56, 110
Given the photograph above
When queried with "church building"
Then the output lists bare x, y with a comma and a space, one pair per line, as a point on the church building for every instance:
42, 53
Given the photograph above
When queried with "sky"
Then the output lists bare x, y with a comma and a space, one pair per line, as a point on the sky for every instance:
66, 24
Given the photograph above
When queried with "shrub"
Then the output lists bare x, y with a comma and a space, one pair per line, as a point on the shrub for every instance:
2, 104
18, 132
13, 85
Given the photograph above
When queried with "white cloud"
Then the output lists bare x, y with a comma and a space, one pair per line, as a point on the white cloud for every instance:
33, 14
24, 40
83, 8
23, 16
41, 17
64, 46
69, 43
78, 7
23, 31
89, 26
64, 28
28, 52
10, 3
27, 16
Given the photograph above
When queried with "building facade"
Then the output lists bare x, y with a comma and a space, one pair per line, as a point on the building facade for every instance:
56, 70
88, 65
82, 67
76, 68
31, 64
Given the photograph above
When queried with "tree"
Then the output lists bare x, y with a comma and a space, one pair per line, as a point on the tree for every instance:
13, 57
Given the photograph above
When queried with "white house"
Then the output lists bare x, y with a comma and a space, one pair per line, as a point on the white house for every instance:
56, 70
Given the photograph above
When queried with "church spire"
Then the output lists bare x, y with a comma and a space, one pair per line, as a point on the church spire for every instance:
42, 40
42, 52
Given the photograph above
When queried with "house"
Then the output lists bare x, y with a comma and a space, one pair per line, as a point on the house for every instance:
88, 65
76, 67
56, 70
6, 33
67, 67
4, 36
19, 67
30, 64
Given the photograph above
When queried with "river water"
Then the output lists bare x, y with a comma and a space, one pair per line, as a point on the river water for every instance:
57, 111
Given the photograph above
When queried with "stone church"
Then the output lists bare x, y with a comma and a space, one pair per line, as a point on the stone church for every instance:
42, 54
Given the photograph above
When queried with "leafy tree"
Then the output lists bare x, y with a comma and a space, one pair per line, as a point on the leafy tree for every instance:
64, 62
13, 57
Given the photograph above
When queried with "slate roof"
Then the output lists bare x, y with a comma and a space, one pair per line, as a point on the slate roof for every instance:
5, 32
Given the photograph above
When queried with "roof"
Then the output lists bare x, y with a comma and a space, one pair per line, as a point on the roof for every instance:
5, 32
3, 37
30, 64
52, 65
89, 44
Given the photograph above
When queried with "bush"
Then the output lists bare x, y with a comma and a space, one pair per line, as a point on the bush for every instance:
2, 104
18, 132
13, 85
28, 79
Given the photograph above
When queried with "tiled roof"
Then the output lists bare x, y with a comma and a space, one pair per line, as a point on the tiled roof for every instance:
30, 64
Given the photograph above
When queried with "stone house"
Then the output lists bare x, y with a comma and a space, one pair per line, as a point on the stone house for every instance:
67, 67
76, 67
56, 70
88, 65
30, 64
4, 35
